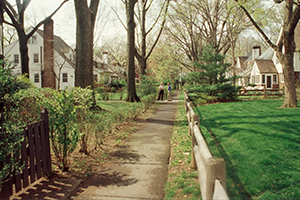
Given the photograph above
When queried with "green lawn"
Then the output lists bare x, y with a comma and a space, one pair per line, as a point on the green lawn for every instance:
261, 145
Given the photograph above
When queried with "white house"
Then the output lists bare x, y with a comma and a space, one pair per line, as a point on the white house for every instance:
63, 63
64, 60
265, 69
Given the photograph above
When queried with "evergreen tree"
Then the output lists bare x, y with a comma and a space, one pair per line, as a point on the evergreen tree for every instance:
209, 79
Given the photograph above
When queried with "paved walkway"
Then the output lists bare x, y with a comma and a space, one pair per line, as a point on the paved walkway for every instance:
138, 169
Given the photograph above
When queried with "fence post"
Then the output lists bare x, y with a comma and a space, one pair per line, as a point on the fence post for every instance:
194, 122
215, 169
194, 142
265, 92
45, 119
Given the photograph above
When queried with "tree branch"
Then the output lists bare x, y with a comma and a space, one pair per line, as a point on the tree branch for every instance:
47, 18
256, 25
161, 29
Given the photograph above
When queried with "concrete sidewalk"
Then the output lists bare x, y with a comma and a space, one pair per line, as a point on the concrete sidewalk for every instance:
139, 168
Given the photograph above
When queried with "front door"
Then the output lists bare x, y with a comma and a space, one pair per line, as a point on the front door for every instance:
269, 82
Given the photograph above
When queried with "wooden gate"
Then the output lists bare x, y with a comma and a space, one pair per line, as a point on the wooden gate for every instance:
35, 154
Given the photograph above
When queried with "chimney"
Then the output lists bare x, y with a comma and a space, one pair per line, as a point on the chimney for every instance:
105, 57
256, 52
48, 75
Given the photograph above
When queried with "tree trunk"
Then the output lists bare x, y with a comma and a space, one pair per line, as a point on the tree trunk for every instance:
24, 53
131, 89
84, 45
290, 100
143, 60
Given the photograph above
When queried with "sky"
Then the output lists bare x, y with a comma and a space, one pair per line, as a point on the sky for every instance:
107, 27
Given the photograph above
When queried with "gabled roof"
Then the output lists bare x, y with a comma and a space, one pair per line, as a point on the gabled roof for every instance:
266, 66
59, 44
267, 54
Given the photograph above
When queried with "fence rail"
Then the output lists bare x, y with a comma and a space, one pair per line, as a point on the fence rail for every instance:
35, 155
211, 171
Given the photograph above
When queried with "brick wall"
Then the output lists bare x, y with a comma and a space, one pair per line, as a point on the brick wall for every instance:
48, 75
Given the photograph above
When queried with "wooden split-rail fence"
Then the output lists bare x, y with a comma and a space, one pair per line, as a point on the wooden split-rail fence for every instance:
211, 171
34, 154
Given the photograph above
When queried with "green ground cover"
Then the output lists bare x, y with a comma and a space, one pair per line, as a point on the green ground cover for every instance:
260, 143
182, 180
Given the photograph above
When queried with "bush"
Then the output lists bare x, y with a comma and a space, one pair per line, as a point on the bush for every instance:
11, 128
63, 128
65, 108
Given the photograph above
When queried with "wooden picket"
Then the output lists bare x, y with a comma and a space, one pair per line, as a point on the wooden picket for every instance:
34, 154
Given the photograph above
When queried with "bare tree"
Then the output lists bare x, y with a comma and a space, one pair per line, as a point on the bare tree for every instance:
144, 11
58, 76
17, 21
142, 51
9, 35
131, 89
285, 48
181, 27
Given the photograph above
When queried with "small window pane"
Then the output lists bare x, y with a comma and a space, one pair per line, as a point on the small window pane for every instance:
252, 79
274, 78
257, 79
36, 78
263, 77
95, 77
65, 77
36, 58
16, 59
34, 39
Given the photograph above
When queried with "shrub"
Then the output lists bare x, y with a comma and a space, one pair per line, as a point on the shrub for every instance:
11, 128
62, 125
148, 86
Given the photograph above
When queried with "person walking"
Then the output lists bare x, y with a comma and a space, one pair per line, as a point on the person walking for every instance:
169, 92
161, 91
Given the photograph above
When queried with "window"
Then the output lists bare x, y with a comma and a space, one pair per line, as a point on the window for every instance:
36, 78
35, 58
263, 78
274, 79
16, 59
95, 77
252, 79
33, 39
65, 77
257, 79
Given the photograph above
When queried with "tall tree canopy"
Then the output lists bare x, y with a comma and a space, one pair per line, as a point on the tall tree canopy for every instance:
17, 17
195, 23
143, 13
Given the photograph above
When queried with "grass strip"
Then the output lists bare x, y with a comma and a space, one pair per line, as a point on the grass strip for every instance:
182, 180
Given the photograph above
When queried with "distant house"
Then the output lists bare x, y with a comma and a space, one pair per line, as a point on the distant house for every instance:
265, 69
106, 72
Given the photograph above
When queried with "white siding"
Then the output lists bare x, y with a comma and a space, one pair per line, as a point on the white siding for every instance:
36, 68
297, 61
